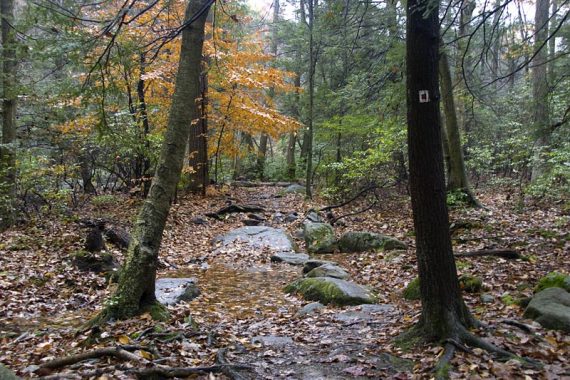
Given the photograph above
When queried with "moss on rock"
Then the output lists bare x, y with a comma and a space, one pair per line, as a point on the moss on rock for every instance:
553, 280
329, 290
412, 291
470, 284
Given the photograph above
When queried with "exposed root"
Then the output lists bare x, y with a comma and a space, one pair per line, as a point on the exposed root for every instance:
441, 370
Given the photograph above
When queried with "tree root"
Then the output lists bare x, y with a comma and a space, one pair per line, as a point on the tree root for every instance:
152, 370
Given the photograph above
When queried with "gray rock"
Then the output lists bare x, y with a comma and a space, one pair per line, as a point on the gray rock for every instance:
6, 374
361, 241
258, 237
278, 217
298, 234
290, 218
310, 308
313, 263
290, 258
328, 290
365, 314
550, 308
487, 298
294, 188
313, 217
319, 237
100, 262
199, 220
272, 341
170, 291
259, 217
252, 222
329, 270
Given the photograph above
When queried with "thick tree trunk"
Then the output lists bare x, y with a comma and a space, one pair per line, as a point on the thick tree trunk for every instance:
443, 310
7, 149
540, 90
135, 292
457, 179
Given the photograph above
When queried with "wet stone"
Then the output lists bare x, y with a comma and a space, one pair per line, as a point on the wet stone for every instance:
258, 237
170, 291
290, 258
329, 270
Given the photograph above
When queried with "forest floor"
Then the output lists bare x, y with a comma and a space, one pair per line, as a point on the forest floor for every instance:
44, 298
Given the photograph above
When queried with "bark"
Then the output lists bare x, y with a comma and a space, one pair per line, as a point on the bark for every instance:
136, 288
86, 171
261, 156
457, 179
540, 90
463, 62
143, 118
7, 151
443, 309
309, 134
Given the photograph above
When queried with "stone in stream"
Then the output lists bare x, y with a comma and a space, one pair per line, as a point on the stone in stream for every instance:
550, 308
294, 188
329, 270
361, 241
169, 291
328, 290
319, 237
290, 258
258, 237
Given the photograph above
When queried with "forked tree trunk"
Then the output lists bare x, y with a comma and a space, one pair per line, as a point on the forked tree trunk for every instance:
135, 292
457, 179
443, 309
7, 149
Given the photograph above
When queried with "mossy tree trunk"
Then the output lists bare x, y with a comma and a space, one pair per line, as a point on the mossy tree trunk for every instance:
443, 309
7, 150
457, 179
136, 288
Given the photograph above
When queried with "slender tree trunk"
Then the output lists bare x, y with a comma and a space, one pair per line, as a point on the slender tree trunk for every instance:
309, 135
7, 149
143, 117
443, 310
540, 89
457, 179
261, 156
463, 63
135, 292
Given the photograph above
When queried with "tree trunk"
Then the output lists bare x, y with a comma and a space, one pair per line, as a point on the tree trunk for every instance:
443, 309
135, 292
457, 179
309, 134
463, 63
540, 89
143, 117
7, 149
261, 155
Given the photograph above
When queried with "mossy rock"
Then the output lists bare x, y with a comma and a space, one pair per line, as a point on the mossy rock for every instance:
361, 241
412, 291
328, 290
553, 280
470, 284
551, 308
101, 262
319, 237
6, 374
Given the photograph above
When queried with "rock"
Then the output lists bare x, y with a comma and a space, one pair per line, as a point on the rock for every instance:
470, 284
290, 258
412, 291
395, 257
258, 237
298, 234
319, 237
551, 308
294, 188
102, 262
313, 217
290, 218
328, 290
199, 220
329, 270
487, 298
312, 264
553, 280
361, 241
170, 291
278, 217
272, 341
6, 374
364, 314
256, 217
309, 308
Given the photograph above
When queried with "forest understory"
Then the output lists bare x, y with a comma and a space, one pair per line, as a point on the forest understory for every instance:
45, 299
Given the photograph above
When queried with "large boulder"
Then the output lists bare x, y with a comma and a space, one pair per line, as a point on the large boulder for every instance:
328, 290
294, 188
361, 241
550, 308
319, 237
6, 374
329, 270
258, 237
170, 291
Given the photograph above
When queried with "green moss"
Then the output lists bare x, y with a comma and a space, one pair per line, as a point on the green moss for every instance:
443, 371
553, 280
508, 299
325, 291
461, 265
412, 291
158, 312
470, 284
